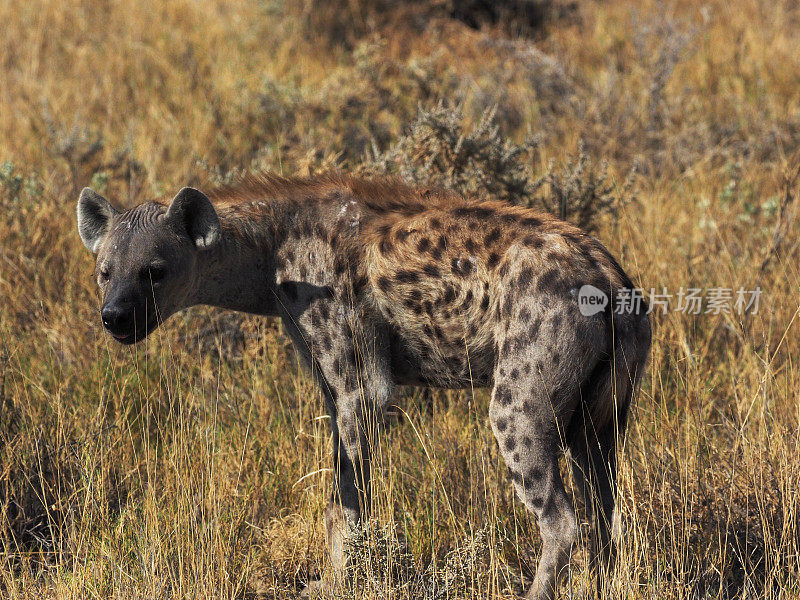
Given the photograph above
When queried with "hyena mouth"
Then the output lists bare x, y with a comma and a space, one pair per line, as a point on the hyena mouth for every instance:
137, 335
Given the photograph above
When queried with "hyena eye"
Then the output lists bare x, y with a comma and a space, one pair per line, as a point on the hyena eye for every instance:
154, 273
103, 274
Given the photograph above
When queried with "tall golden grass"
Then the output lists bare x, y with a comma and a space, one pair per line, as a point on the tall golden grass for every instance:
197, 464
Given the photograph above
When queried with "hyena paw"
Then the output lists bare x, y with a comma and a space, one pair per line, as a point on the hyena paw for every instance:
317, 589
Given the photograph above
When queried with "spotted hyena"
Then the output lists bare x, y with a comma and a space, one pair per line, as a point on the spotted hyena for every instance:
380, 285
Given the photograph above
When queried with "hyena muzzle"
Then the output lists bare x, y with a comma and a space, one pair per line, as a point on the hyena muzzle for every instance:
381, 285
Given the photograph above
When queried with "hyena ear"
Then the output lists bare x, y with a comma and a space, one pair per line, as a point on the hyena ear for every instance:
192, 210
94, 218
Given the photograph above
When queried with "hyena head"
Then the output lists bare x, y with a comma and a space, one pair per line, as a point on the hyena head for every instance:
147, 257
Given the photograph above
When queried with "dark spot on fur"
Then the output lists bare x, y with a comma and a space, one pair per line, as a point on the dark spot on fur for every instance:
556, 358
507, 302
527, 441
525, 277
514, 374
533, 241
350, 381
556, 322
491, 237
436, 223
525, 315
473, 211
431, 270
468, 299
359, 284
502, 424
471, 246
462, 266
339, 267
510, 443
527, 369
384, 283
385, 246
548, 282
440, 248
535, 474
423, 245
402, 234
406, 276
531, 222
485, 302
450, 294
494, 258
515, 458
503, 270
503, 395
325, 341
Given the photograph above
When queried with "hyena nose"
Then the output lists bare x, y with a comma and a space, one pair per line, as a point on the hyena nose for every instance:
117, 318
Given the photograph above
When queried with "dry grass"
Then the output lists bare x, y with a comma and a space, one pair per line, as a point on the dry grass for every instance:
196, 465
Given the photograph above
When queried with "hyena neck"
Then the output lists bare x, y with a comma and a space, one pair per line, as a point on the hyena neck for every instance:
238, 273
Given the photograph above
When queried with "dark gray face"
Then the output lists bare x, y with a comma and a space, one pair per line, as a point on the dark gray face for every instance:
146, 258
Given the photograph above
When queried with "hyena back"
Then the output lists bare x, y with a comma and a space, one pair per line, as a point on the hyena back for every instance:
382, 285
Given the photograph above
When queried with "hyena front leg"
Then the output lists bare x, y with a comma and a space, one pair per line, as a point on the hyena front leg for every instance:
353, 421
354, 375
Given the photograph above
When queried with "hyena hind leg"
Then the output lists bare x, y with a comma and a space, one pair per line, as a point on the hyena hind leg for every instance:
594, 470
594, 441
528, 433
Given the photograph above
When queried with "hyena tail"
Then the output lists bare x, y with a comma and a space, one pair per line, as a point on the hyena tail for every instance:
598, 427
609, 390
